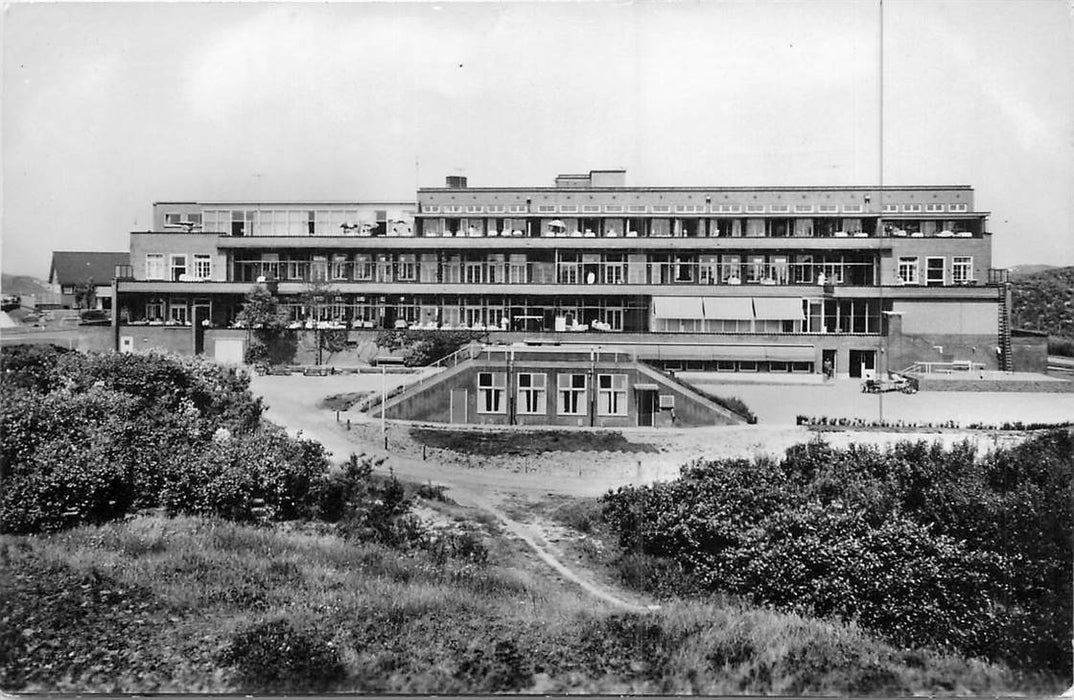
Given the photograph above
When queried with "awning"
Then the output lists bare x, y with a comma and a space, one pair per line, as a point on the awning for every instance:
677, 307
790, 353
646, 387
777, 308
728, 308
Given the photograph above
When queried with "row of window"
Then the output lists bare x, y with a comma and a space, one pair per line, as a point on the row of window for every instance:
178, 267
936, 272
568, 268
935, 207
571, 394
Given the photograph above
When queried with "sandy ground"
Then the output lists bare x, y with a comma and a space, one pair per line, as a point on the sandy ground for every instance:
775, 404
492, 483
292, 400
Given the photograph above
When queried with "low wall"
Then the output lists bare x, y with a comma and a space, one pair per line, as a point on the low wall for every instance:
1050, 386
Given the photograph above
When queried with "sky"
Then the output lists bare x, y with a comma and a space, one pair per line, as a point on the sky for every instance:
109, 107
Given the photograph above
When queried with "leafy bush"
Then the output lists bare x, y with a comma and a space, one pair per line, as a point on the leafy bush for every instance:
1060, 346
925, 545
273, 656
91, 437
423, 347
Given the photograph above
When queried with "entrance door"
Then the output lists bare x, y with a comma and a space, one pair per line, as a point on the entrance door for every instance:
646, 406
458, 405
827, 359
934, 272
863, 364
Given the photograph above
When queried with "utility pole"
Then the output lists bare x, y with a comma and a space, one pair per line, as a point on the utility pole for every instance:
383, 399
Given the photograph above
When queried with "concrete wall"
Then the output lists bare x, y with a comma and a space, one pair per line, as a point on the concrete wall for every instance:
1030, 353
949, 317
180, 244
762, 196
980, 249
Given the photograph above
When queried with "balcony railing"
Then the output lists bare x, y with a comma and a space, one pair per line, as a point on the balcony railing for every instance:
562, 273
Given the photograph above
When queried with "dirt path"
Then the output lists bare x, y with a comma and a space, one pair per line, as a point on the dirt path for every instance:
480, 489
486, 482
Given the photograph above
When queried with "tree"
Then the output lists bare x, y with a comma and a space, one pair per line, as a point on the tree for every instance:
315, 297
262, 316
86, 294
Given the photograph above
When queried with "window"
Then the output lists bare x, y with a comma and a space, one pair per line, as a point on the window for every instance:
961, 269
171, 219
933, 207
611, 396
339, 266
532, 398
490, 392
178, 267
408, 267
957, 207
911, 207
572, 389
154, 310
177, 310
934, 272
908, 270
203, 266
154, 267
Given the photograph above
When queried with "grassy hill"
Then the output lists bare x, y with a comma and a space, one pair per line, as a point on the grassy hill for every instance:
23, 284
190, 604
1044, 301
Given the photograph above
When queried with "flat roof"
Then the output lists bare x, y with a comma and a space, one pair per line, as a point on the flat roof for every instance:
710, 188
271, 203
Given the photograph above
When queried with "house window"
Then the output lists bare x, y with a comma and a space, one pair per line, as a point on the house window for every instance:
491, 388
611, 396
911, 207
171, 219
177, 310
203, 266
154, 266
934, 272
532, 395
961, 269
408, 267
154, 310
178, 267
957, 207
571, 394
339, 266
908, 270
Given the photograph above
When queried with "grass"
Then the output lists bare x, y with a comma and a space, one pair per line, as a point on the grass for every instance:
526, 442
197, 605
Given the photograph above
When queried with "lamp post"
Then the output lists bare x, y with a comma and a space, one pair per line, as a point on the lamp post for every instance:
383, 399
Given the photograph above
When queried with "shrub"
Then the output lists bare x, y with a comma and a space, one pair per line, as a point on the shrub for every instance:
88, 438
924, 545
274, 656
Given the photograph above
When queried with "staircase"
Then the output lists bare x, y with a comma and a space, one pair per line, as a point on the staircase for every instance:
1002, 279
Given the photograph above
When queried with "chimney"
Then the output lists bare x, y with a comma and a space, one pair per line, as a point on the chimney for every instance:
455, 182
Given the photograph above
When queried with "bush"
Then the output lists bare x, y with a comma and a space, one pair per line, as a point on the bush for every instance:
89, 438
423, 347
275, 657
924, 545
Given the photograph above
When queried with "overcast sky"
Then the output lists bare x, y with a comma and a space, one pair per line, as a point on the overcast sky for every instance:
108, 108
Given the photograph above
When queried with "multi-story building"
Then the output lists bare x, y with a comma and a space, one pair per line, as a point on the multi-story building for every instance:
746, 279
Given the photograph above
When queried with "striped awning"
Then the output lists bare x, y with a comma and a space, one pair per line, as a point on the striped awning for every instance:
777, 308
728, 308
678, 307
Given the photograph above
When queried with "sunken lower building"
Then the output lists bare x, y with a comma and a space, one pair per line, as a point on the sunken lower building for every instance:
558, 386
